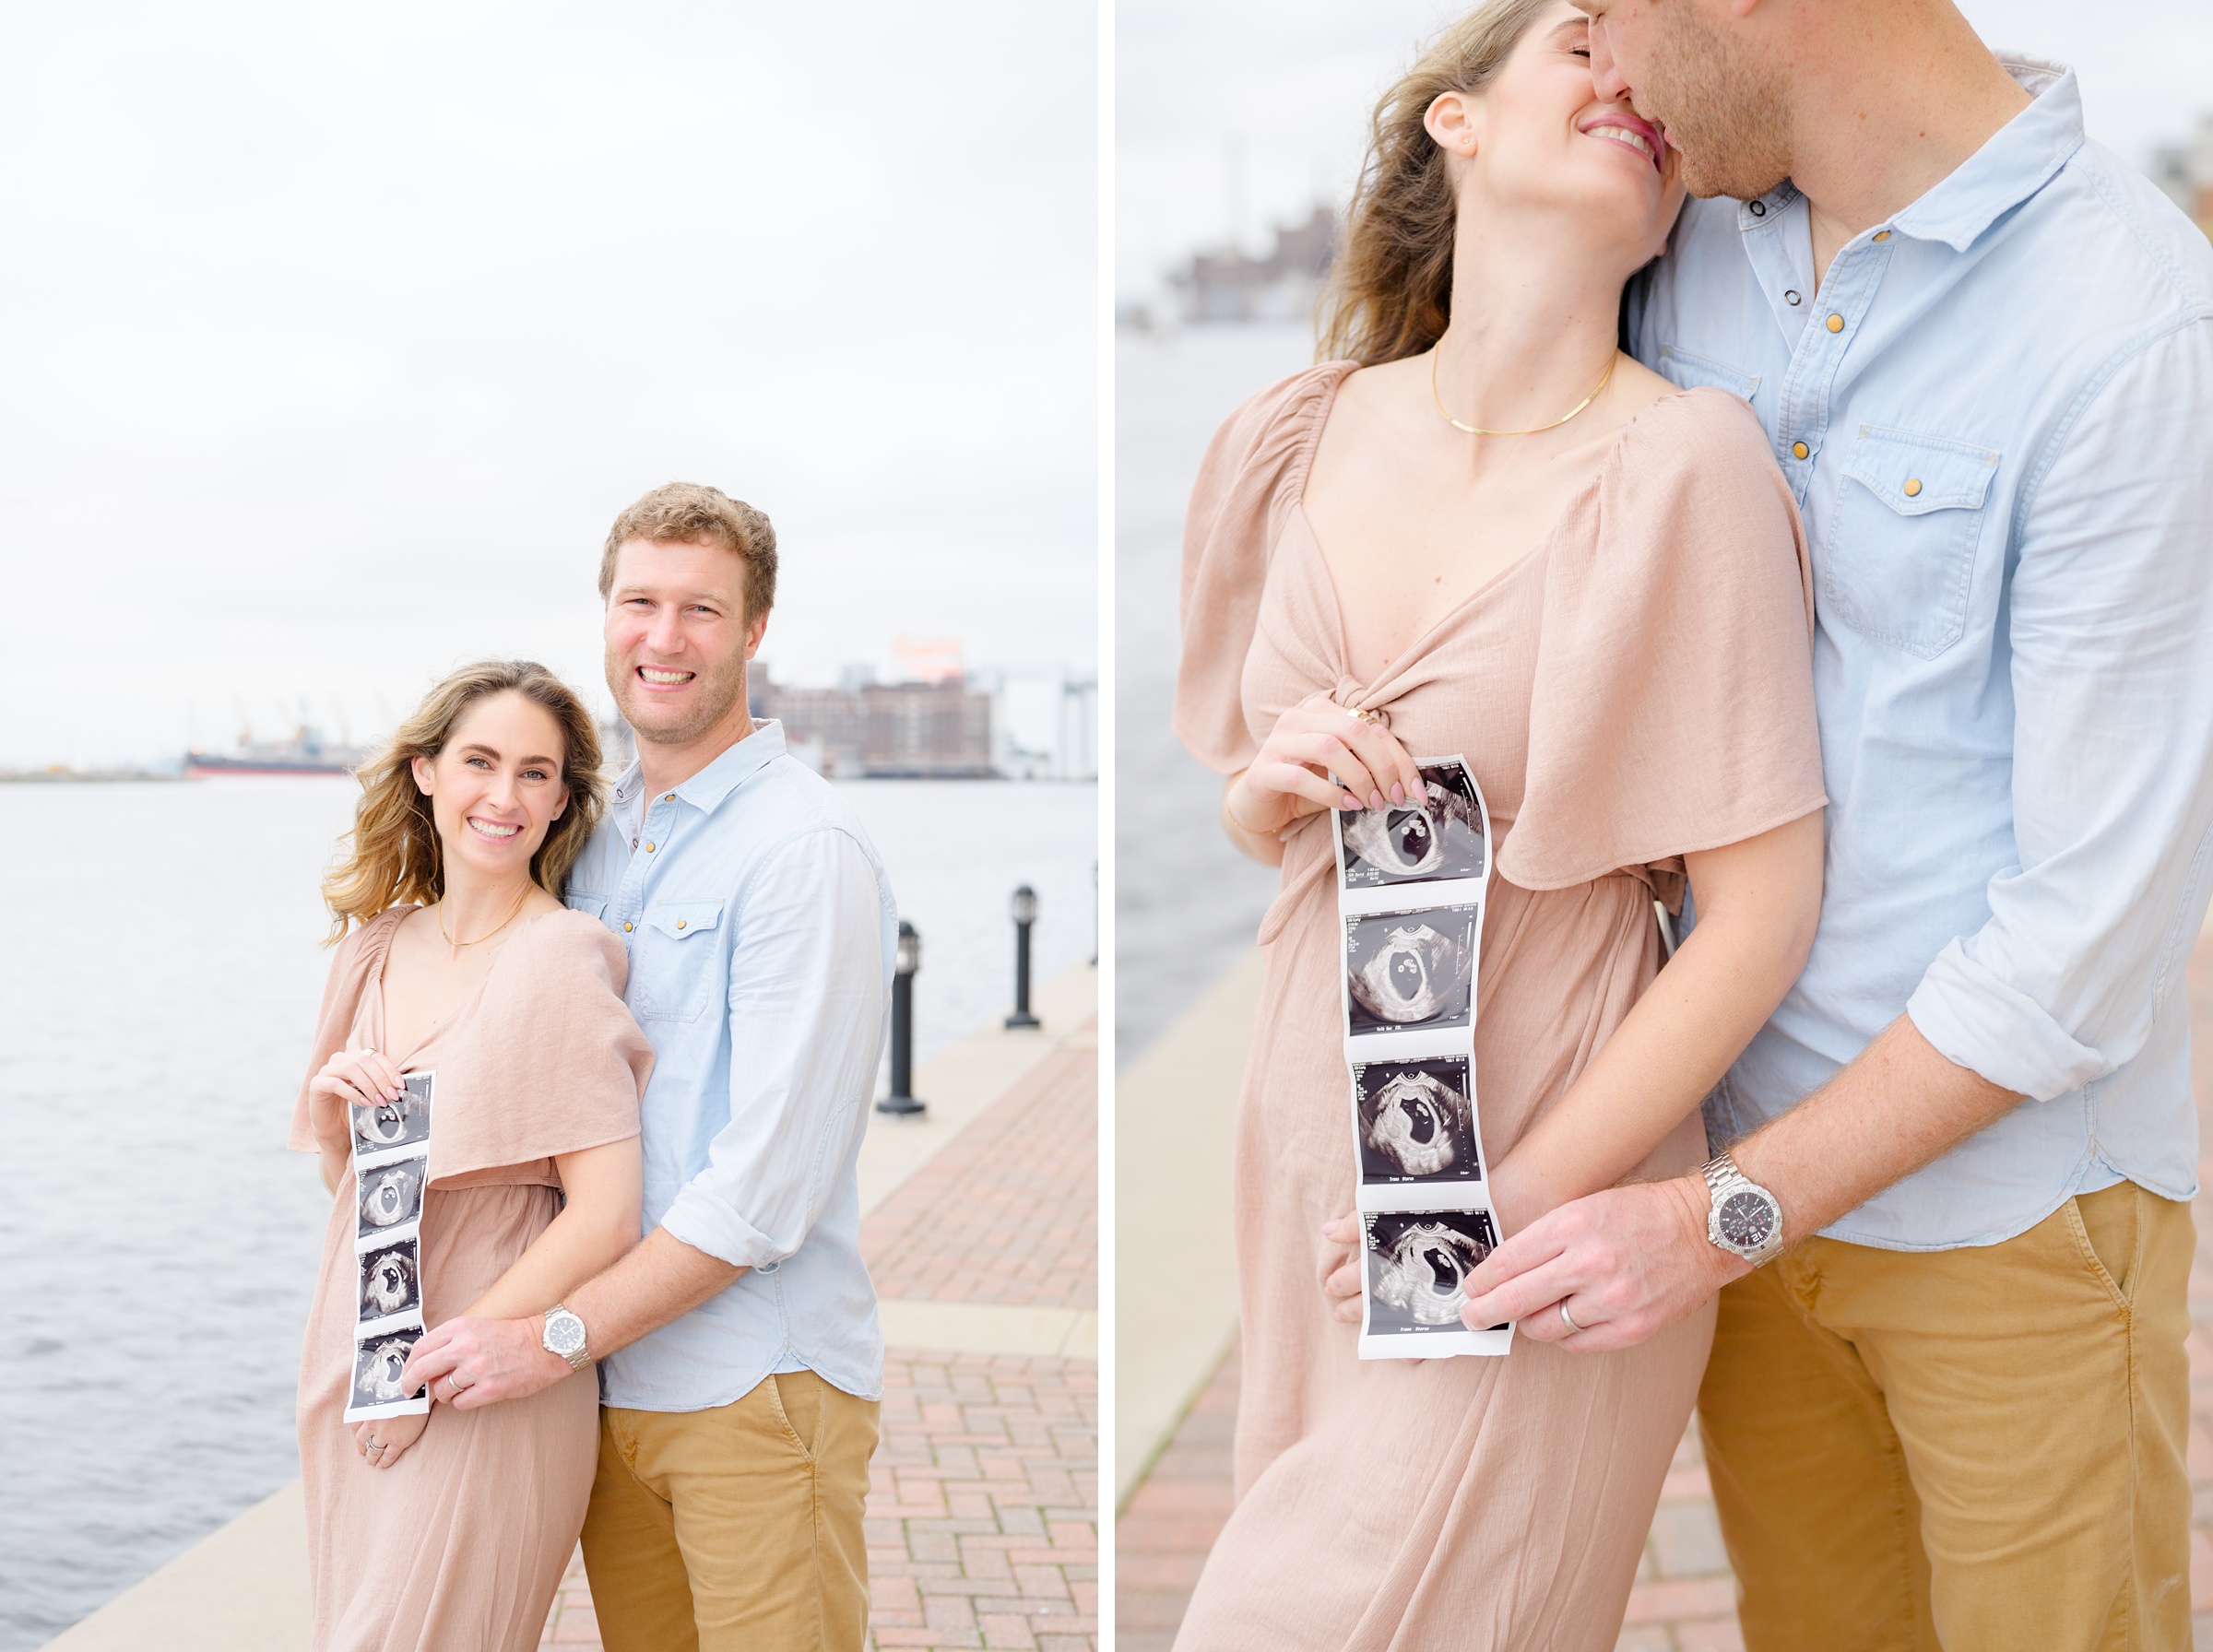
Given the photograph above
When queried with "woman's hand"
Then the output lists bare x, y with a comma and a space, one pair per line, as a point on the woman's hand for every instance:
1341, 1285
1289, 778
381, 1440
349, 1079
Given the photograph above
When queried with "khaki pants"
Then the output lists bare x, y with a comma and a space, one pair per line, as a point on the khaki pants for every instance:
733, 1527
1978, 1449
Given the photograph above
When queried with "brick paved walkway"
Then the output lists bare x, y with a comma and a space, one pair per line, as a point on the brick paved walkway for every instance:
983, 1504
1008, 1212
1685, 1599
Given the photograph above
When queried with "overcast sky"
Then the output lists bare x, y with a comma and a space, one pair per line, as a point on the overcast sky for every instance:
1233, 110
332, 338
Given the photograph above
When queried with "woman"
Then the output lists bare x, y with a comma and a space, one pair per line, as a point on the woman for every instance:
452, 1529
1480, 530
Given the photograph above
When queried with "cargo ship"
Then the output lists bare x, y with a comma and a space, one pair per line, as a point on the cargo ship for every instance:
306, 752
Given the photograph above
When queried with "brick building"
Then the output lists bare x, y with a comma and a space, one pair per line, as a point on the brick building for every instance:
900, 730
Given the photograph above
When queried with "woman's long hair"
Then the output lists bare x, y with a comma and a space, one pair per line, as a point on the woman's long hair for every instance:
393, 853
1390, 293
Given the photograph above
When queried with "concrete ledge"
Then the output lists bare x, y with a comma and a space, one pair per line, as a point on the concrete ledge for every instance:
1175, 1283
242, 1589
990, 1327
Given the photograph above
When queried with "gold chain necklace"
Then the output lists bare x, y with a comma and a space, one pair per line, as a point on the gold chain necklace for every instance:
438, 911
1437, 349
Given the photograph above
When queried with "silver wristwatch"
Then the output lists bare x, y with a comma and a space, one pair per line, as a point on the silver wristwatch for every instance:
564, 1338
1747, 1220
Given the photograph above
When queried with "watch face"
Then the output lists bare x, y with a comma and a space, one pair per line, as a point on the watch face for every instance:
1747, 1219
564, 1334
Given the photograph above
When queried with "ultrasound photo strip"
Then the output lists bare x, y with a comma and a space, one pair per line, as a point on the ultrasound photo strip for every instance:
1413, 1124
388, 1200
391, 1171
393, 1129
1412, 884
1410, 982
389, 1284
1415, 1268
1431, 851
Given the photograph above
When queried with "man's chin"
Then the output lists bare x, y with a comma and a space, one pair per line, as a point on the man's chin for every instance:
1721, 182
670, 726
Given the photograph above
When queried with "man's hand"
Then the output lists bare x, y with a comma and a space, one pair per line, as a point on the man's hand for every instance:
1628, 1261
469, 1363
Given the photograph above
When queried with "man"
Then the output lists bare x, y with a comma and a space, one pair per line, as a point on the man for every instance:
1983, 352
740, 1365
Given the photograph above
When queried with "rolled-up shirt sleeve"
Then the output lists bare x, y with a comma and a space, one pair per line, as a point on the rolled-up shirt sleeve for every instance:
2111, 636
810, 981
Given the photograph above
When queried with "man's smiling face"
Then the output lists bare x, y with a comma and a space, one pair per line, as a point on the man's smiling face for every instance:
678, 638
1689, 66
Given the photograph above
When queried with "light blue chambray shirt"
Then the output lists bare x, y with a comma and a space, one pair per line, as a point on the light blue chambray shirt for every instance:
761, 932
2004, 395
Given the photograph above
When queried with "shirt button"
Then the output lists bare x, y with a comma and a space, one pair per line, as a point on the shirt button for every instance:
679, 923
626, 926
1882, 235
649, 848
1914, 488
1759, 209
1799, 450
1790, 298
1836, 324
669, 798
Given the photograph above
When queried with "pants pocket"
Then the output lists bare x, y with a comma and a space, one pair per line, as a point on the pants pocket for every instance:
799, 1398
2107, 1234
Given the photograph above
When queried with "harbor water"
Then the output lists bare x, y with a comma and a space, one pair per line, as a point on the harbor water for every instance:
160, 971
1186, 904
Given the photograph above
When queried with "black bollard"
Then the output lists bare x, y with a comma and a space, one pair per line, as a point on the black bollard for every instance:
1024, 909
906, 961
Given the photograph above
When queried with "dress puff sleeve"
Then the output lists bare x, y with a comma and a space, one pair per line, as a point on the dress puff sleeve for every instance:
1254, 471
556, 1063
350, 966
1673, 706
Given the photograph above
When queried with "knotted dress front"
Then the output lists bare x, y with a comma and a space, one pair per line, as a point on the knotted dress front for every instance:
462, 1542
1636, 688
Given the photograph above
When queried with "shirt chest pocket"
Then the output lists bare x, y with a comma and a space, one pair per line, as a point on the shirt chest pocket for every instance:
1899, 560
676, 964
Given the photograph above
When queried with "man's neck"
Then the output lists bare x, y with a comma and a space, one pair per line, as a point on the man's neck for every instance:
663, 766
1890, 114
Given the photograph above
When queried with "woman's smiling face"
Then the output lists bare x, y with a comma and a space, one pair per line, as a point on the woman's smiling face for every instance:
497, 785
1539, 136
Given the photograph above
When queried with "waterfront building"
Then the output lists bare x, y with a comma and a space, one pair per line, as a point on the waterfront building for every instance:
1282, 285
902, 730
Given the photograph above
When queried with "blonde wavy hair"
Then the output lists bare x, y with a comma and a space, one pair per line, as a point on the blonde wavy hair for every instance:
393, 853
1390, 293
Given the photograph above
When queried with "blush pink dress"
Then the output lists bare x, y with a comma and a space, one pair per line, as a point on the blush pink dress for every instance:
1636, 688
462, 1543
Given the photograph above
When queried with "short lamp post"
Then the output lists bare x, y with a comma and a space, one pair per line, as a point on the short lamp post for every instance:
1023, 910
906, 961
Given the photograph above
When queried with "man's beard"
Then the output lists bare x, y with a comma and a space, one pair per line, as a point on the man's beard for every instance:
719, 692
1726, 117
